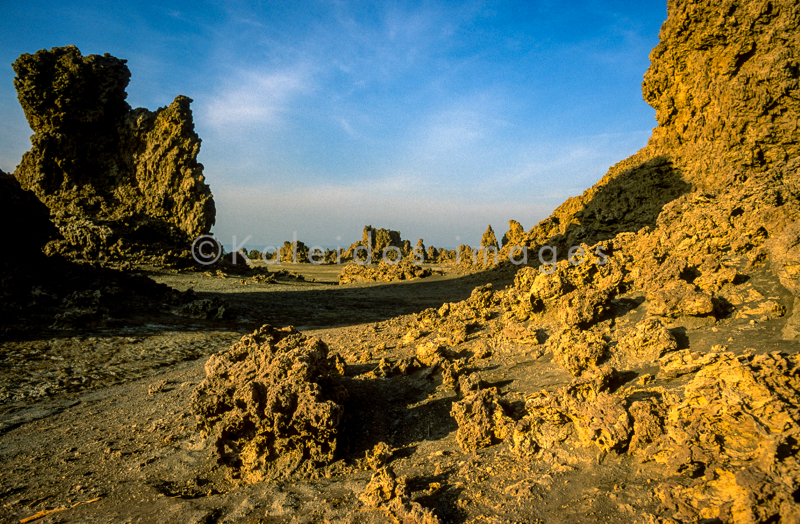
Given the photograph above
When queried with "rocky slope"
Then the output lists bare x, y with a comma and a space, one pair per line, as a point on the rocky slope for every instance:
120, 183
673, 241
722, 165
644, 376
720, 175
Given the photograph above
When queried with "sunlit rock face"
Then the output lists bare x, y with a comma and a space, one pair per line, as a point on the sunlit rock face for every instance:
120, 183
723, 164
715, 192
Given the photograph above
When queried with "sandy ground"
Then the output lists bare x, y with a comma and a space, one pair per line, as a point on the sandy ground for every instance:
129, 452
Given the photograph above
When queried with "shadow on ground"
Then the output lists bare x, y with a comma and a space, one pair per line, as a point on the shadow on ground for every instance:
324, 306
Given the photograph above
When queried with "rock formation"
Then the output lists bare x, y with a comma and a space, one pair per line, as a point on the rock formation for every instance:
390, 493
270, 405
481, 419
419, 253
515, 234
294, 252
714, 194
720, 171
489, 239
120, 183
38, 290
718, 178
373, 243
643, 269
784, 255
383, 271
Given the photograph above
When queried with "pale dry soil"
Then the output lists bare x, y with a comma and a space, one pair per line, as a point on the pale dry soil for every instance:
124, 449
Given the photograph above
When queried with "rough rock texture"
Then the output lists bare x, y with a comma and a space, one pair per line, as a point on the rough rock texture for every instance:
435, 331
489, 239
391, 494
720, 173
465, 255
578, 350
481, 419
684, 221
294, 252
679, 298
431, 254
515, 234
748, 472
386, 272
373, 243
649, 340
270, 405
379, 456
120, 183
784, 254
667, 250
584, 408
420, 253
733, 429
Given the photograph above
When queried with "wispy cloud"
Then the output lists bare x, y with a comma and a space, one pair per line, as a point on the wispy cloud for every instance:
255, 97
559, 169
432, 117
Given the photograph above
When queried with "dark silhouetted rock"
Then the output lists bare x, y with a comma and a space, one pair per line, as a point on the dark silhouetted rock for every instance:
24, 244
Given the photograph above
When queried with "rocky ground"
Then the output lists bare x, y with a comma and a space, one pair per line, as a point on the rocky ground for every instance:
101, 427
647, 373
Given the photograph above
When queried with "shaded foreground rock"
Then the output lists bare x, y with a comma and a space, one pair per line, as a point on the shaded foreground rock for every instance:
121, 183
271, 406
39, 291
25, 244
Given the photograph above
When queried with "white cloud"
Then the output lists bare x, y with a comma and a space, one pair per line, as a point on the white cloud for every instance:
256, 97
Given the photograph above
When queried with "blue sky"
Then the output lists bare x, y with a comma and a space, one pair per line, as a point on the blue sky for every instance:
320, 117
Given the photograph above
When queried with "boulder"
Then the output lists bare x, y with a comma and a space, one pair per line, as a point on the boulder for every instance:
270, 405
481, 419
